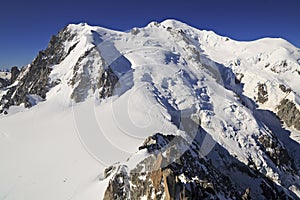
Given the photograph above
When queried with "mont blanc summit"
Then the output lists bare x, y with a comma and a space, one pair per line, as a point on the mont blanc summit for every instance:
166, 111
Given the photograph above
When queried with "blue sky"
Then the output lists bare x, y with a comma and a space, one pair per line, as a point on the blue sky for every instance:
26, 26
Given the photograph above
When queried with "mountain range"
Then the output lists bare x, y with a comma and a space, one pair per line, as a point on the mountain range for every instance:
165, 111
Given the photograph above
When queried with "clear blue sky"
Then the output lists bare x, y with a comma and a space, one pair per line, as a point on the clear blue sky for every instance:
26, 26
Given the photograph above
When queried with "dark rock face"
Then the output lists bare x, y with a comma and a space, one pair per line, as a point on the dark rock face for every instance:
134, 31
82, 80
246, 195
262, 94
284, 88
276, 151
156, 142
107, 83
188, 177
288, 113
14, 74
4, 82
165, 175
35, 77
281, 67
118, 188
238, 78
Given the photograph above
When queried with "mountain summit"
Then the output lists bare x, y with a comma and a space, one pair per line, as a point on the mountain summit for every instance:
166, 111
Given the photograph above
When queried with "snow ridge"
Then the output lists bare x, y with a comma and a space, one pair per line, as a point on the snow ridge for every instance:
166, 106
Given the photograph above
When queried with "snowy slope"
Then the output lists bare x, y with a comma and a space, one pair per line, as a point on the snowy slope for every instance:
106, 92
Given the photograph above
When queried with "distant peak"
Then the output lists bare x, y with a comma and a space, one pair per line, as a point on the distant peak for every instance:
173, 23
79, 26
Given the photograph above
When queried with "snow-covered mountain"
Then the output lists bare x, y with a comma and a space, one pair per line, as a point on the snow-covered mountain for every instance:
161, 112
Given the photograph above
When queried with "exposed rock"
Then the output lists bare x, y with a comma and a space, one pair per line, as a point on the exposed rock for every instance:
134, 31
238, 78
4, 82
156, 142
108, 171
288, 112
275, 151
262, 94
267, 65
190, 177
85, 78
281, 67
118, 188
14, 74
35, 77
246, 195
284, 88
107, 83
81, 80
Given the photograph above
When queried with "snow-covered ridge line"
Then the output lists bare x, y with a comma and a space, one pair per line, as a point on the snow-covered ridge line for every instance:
165, 106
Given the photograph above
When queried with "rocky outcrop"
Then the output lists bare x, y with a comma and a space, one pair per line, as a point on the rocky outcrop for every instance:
188, 177
14, 74
118, 188
92, 75
35, 77
288, 113
174, 173
7, 77
276, 151
4, 78
4, 82
107, 83
238, 78
284, 88
280, 67
262, 94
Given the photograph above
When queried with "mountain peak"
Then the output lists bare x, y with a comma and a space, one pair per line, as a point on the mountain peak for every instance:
173, 23
196, 114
